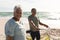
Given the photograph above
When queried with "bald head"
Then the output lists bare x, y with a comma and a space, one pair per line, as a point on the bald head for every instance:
17, 12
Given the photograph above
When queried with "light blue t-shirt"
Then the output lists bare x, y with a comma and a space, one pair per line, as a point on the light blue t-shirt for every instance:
15, 29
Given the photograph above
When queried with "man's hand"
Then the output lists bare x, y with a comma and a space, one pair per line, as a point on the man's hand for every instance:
37, 29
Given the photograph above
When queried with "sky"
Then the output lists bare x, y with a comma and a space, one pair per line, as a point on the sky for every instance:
27, 5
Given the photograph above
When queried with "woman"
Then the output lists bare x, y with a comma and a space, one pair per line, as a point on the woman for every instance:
14, 28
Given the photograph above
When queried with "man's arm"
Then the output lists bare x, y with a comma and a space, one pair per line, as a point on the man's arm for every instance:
43, 24
34, 26
9, 38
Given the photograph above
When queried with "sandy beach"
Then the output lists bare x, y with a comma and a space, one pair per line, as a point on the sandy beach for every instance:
2, 24
3, 20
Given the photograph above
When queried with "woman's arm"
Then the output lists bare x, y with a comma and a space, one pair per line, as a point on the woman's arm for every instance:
9, 38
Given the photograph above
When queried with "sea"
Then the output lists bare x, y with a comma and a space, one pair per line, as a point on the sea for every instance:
50, 18
25, 14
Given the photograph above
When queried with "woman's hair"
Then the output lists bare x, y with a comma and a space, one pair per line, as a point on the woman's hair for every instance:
17, 7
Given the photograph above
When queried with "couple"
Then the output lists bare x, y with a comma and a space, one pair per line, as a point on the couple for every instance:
15, 30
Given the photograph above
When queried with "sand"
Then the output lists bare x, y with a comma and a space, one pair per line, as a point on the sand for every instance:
3, 21
2, 26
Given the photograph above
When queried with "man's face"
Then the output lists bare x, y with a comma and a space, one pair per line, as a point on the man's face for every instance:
34, 12
18, 13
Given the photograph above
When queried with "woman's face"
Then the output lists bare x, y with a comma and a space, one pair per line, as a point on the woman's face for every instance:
18, 13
